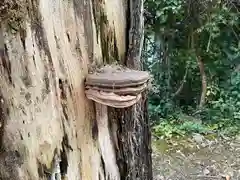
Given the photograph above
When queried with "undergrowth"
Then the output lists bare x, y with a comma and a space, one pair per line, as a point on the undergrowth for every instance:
176, 127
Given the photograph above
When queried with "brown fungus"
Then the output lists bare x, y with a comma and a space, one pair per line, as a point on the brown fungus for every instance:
116, 87
114, 77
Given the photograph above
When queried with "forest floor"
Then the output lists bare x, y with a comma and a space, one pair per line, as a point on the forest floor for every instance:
197, 158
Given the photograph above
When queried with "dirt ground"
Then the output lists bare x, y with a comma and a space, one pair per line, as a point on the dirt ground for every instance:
197, 158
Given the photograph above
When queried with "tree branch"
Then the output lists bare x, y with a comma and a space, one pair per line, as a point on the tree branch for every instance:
180, 88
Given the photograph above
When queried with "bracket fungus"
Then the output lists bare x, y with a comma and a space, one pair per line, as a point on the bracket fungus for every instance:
116, 87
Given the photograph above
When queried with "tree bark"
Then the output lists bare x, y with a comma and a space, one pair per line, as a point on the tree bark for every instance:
48, 128
135, 122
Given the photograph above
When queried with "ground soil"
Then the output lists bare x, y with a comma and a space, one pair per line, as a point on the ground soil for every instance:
196, 158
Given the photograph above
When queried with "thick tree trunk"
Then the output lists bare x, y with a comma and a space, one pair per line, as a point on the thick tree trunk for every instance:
48, 128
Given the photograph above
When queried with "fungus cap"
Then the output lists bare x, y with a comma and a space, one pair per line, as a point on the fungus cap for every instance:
117, 77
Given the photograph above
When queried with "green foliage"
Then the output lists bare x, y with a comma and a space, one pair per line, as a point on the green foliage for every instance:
179, 127
226, 103
178, 32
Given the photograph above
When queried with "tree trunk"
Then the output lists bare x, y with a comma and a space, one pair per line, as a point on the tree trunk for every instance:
134, 121
48, 128
204, 82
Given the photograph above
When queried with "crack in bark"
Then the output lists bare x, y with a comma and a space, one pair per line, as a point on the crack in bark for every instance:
46, 89
6, 64
26, 77
95, 130
23, 35
103, 167
4, 112
63, 96
96, 15
78, 47
63, 155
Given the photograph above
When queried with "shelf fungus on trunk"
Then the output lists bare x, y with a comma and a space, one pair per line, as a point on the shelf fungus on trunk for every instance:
117, 87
